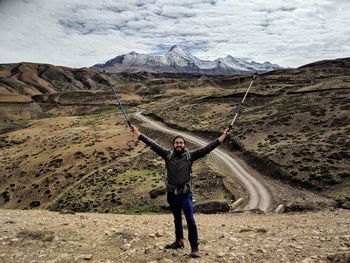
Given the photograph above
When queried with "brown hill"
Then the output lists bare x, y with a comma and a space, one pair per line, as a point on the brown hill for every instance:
30, 78
29, 90
294, 127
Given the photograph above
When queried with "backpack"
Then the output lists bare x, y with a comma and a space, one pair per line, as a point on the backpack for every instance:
186, 187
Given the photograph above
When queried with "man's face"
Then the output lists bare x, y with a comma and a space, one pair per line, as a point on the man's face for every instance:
179, 144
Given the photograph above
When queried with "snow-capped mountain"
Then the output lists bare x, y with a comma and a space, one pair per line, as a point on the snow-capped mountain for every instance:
178, 60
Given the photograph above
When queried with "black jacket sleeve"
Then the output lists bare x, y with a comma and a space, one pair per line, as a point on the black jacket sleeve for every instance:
154, 146
200, 152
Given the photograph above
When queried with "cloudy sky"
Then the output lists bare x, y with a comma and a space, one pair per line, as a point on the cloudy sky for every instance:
79, 33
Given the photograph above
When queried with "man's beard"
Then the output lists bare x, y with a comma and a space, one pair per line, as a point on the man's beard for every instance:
179, 150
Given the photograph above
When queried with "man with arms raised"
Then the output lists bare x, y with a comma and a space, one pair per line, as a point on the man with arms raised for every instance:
178, 163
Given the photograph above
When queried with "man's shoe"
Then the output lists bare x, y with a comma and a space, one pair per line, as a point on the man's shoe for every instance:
176, 245
194, 252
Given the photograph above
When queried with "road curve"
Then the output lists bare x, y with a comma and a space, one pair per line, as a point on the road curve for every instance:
258, 195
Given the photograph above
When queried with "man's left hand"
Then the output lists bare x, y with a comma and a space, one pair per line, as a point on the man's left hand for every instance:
224, 135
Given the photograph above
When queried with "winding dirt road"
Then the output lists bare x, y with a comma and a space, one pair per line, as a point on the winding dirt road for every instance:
259, 196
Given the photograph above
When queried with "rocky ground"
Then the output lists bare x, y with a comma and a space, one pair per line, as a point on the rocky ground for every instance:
43, 236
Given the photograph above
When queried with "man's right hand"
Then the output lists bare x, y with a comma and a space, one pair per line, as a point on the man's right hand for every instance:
135, 131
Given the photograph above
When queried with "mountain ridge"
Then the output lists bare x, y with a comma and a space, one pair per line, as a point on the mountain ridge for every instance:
179, 60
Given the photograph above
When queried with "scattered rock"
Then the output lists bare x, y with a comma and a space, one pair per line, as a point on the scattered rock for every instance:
212, 207
159, 234
260, 250
10, 222
34, 204
83, 257
340, 257
67, 212
157, 192
5, 197
260, 230
234, 239
220, 254
279, 209
346, 205
56, 163
345, 238
126, 247
79, 155
244, 230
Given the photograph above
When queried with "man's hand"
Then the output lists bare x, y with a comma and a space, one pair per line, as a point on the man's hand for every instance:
224, 135
135, 131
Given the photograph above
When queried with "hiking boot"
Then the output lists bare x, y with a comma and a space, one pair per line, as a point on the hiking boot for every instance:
176, 245
194, 252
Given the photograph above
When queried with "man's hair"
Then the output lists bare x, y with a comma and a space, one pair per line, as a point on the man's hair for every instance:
179, 136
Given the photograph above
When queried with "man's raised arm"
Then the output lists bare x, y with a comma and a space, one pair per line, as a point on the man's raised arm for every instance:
200, 152
154, 146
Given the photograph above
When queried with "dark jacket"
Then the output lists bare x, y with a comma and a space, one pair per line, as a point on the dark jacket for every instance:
179, 168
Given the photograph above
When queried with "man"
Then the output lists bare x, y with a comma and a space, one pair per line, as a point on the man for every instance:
178, 163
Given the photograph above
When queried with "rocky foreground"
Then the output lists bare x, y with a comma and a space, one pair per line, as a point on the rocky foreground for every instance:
42, 236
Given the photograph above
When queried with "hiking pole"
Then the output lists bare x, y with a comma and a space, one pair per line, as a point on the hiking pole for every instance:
119, 102
238, 109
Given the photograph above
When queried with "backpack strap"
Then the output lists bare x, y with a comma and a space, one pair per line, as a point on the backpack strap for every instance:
186, 154
170, 155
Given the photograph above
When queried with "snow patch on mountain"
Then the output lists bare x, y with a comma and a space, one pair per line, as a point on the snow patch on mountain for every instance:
179, 60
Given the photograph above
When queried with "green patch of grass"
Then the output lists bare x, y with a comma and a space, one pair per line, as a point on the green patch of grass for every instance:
99, 114
23, 123
126, 193
138, 209
20, 123
218, 194
138, 175
9, 126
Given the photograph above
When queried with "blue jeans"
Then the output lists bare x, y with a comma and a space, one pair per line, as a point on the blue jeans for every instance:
179, 203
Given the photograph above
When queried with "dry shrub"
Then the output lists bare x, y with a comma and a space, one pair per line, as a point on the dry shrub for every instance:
43, 235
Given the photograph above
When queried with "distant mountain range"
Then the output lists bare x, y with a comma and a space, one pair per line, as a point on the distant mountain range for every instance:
179, 60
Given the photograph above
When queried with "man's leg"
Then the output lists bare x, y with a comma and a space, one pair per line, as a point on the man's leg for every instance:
175, 207
187, 205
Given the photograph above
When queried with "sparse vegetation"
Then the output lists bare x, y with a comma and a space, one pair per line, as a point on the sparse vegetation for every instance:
294, 127
42, 235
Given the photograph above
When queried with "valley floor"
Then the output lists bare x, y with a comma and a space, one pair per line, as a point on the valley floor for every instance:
43, 236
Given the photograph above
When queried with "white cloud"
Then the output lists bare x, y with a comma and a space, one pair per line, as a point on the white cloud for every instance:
80, 33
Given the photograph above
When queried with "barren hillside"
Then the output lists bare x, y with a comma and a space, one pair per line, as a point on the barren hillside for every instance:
294, 126
65, 146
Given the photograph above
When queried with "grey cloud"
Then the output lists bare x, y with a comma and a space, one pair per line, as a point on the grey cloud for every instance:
287, 9
192, 46
84, 32
277, 9
176, 12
